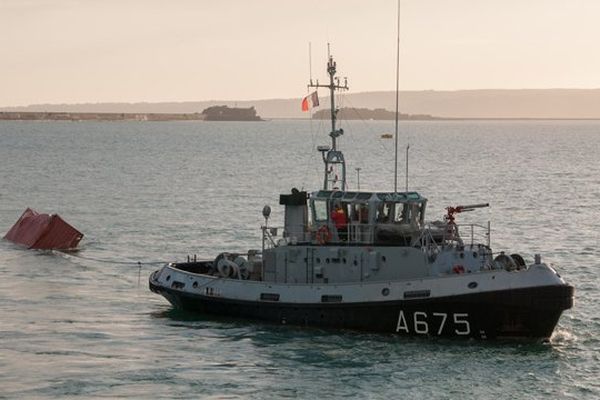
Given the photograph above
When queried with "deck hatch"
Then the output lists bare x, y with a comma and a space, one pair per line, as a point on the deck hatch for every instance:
331, 298
177, 285
269, 296
417, 293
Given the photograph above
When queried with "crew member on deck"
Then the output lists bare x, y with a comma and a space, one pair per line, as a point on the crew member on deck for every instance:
338, 217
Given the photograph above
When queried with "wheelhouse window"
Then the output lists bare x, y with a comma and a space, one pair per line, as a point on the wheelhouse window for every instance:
384, 212
359, 213
409, 213
320, 210
402, 213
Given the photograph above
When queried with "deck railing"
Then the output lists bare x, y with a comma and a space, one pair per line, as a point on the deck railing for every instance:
359, 233
445, 234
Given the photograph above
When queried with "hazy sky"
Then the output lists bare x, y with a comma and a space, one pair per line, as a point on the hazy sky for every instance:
66, 51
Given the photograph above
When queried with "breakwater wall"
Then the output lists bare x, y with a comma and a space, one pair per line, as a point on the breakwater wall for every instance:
69, 116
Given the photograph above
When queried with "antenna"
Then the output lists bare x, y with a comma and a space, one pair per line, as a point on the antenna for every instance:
407, 147
397, 90
310, 61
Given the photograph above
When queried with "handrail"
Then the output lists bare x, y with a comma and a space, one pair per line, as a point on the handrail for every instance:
437, 234
451, 233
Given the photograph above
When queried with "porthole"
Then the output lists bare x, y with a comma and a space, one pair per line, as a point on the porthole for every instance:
475, 254
383, 258
472, 285
344, 260
385, 291
462, 255
168, 278
355, 262
195, 285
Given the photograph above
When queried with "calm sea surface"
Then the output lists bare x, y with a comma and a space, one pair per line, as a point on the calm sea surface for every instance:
86, 325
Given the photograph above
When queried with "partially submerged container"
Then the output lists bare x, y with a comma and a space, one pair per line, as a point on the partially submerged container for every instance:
43, 231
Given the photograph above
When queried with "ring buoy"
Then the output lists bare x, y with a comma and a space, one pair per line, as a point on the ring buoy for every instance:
458, 269
323, 235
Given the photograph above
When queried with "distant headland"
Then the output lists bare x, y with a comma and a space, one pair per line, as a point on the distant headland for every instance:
457, 104
368, 114
215, 113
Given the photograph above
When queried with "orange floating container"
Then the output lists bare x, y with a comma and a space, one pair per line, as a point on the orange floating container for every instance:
43, 231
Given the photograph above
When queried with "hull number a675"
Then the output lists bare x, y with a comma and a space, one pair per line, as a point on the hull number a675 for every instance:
433, 323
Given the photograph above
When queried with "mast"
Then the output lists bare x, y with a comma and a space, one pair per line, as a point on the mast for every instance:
332, 157
396, 125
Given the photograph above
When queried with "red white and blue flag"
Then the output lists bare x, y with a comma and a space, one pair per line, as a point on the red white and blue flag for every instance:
310, 101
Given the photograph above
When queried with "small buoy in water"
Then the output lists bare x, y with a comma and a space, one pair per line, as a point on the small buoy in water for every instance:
386, 136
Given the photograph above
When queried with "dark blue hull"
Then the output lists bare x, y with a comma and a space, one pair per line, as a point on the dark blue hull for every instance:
529, 313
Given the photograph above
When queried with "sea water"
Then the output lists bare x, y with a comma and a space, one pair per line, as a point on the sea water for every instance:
85, 324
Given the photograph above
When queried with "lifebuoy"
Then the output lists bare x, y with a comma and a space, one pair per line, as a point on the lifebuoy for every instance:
323, 235
458, 269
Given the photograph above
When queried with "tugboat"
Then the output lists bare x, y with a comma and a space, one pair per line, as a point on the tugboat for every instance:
369, 261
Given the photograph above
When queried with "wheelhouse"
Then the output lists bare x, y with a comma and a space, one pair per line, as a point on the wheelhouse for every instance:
366, 217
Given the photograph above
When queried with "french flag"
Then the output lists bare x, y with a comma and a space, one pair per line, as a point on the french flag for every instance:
310, 101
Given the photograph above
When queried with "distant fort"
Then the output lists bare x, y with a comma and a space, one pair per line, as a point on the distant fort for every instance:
216, 113
368, 114
224, 113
